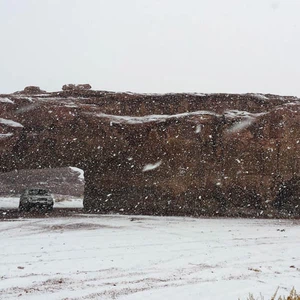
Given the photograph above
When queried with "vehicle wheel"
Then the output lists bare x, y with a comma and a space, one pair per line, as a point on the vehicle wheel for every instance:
22, 207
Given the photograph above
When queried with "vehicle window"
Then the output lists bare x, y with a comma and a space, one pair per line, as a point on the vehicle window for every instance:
38, 192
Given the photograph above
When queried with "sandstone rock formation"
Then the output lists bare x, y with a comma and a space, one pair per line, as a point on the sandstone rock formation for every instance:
32, 90
76, 87
171, 154
60, 181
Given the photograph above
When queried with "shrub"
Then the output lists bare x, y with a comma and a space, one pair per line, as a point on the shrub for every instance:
292, 296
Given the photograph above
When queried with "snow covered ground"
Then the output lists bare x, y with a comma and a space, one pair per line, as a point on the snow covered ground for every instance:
69, 202
138, 257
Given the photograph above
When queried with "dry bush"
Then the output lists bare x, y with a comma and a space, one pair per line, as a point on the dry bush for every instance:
292, 296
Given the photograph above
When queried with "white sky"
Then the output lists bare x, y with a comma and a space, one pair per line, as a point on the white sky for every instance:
151, 45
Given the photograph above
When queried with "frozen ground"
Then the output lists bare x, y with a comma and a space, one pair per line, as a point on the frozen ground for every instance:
13, 202
134, 257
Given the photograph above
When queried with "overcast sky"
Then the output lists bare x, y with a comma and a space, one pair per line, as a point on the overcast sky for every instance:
212, 46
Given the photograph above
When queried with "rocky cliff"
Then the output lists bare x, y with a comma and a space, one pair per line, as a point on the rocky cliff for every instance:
170, 154
60, 181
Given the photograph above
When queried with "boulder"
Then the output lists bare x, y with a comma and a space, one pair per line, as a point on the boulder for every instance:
33, 90
76, 87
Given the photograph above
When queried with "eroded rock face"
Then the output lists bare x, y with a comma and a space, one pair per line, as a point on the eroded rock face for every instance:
32, 90
60, 181
76, 87
171, 154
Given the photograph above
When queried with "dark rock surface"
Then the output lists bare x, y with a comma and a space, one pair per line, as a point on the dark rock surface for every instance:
32, 90
61, 181
170, 154
78, 87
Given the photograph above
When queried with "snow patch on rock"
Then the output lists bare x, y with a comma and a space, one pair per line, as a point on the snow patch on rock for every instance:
242, 114
246, 119
10, 123
71, 105
260, 96
6, 100
5, 135
151, 118
198, 128
80, 171
150, 167
200, 94
241, 125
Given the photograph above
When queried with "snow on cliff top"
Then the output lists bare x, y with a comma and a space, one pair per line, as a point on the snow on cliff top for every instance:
6, 100
242, 113
151, 118
80, 171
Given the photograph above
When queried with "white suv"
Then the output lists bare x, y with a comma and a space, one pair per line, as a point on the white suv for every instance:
36, 197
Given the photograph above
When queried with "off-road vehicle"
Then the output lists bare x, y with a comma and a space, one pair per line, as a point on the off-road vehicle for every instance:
37, 198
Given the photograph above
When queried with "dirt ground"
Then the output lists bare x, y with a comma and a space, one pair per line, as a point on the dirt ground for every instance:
7, 214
